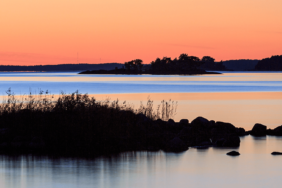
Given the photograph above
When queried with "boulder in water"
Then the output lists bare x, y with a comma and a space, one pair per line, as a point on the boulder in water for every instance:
233, 153
200, 122
276, 153
259, 130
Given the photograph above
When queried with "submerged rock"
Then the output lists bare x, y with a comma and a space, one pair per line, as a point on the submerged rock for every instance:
259, 130
276, 153
233, 153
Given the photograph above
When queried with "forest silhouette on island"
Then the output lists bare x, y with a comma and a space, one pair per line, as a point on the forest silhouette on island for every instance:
184, 64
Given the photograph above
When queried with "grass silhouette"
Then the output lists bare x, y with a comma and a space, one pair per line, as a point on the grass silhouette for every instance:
76, 124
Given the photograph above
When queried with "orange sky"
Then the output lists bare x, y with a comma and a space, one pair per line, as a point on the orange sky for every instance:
53, 31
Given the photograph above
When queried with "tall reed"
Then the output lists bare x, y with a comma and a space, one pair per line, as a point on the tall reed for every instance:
45, 101
76, 123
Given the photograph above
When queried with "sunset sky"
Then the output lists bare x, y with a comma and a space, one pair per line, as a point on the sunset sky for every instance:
53, 31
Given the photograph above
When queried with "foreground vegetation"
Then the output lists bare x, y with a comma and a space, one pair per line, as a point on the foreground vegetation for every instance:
74, 124
79, 125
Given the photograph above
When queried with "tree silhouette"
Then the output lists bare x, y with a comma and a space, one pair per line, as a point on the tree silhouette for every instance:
208, 59
273, 64
139, 65
189, 63
208, 62
128, 65
134, 65
184, 63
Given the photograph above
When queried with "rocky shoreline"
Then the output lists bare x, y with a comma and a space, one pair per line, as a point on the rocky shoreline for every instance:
151, 135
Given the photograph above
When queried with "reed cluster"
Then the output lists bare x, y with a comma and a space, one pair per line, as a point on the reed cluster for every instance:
75, 123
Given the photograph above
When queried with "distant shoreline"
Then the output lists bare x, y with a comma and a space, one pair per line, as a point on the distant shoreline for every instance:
59, 67
267, 64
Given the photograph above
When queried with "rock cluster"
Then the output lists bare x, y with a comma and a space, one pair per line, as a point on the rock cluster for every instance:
261, 130
258, 130
179, 136
144, 134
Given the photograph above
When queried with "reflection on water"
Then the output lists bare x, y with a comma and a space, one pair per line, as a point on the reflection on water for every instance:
255, 167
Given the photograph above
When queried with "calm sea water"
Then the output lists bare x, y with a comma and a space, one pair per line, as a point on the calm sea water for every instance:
23, 83
239, 98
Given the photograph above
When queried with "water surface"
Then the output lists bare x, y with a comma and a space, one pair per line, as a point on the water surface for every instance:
242, 99
255, 167
112, 84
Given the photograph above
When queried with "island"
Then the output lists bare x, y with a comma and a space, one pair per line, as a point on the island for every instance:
184, 65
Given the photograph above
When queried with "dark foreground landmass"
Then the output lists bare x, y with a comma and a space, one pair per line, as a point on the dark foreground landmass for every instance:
76, 125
